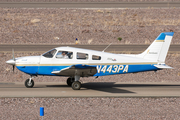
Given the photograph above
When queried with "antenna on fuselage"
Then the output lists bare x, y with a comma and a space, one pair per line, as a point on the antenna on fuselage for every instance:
106, 47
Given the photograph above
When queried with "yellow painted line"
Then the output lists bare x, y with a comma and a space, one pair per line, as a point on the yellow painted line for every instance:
27, 65
159, 40
86, 64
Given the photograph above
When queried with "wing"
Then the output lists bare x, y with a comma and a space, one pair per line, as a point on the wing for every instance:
79, 69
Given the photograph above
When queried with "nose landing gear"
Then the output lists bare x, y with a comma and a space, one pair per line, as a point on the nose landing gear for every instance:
29, 83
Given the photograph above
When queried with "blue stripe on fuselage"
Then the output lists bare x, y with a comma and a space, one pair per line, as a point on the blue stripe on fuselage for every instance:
32, 70
102, 70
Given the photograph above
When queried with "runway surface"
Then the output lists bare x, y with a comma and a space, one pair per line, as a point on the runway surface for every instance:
112, 48
89, 4
108, 89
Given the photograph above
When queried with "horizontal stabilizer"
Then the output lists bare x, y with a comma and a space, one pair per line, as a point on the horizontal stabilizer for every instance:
163, 66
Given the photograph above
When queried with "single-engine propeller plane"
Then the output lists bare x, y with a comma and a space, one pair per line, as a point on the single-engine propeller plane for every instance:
75, 62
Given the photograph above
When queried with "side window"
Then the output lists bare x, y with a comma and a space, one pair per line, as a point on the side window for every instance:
64, 55
96, 57
82, 56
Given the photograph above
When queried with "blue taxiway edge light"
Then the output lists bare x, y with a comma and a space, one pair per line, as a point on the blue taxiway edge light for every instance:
41, 111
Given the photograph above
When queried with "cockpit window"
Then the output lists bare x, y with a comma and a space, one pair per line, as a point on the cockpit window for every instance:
50, 53
64, 55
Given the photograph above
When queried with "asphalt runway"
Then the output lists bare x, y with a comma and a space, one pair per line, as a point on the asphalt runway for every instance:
89, 4
112, 48
95, 89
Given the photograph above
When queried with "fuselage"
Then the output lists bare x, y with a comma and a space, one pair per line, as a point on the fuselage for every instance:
105, 63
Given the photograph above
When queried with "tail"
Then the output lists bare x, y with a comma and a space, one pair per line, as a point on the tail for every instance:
157, 51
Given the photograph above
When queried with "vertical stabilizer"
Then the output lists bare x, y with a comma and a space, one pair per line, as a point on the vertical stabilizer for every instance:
157, 51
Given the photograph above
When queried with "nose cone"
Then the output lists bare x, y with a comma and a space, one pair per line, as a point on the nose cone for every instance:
11, 62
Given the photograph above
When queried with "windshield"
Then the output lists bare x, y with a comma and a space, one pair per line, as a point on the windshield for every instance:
50, 53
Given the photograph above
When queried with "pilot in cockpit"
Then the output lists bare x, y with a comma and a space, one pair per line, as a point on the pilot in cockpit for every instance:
64, 54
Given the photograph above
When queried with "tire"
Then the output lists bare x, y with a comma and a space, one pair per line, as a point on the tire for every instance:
70, 81
29, 85
76, 85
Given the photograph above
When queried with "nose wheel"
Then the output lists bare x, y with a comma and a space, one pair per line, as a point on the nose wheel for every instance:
29, 83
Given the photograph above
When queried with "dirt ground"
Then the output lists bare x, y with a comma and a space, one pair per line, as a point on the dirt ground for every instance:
90, 26
95, 26
90, 108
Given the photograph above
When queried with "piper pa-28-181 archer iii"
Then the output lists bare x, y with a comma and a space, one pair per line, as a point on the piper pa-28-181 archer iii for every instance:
75, 62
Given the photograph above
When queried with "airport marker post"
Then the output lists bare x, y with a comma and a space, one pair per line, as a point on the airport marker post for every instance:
42, 112
76, 41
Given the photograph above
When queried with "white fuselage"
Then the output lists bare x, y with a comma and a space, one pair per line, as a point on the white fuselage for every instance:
106, 63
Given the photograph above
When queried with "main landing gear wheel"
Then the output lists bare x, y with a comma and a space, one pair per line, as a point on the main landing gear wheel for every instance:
76, 85
29, 84
70, 81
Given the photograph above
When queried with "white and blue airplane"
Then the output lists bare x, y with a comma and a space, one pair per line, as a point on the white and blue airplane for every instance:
75, 62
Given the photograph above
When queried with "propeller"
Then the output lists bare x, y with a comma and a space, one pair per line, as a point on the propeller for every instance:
13, 54
13, 59
13, 68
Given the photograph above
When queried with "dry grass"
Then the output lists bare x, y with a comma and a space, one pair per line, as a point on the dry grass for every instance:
178, 73
175, 55
89, 41
100, 11
127, 42
147, 42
